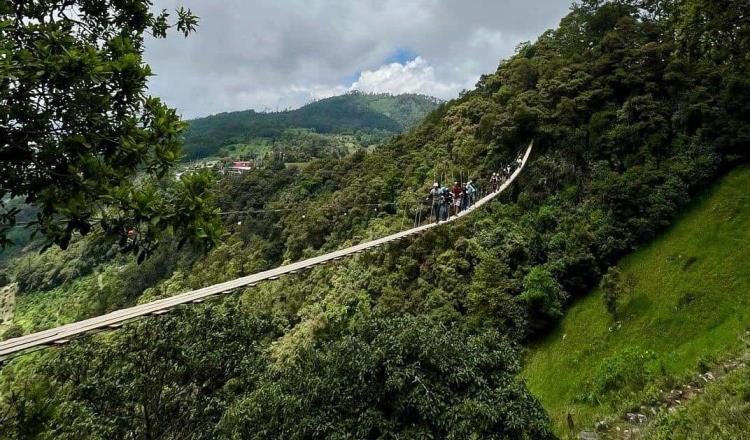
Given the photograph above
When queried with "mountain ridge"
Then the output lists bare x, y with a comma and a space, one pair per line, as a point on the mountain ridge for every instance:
354, 112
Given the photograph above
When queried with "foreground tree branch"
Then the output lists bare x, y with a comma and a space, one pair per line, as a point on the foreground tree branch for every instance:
77, 126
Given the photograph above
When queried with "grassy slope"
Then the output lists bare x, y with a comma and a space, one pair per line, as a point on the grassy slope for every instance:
256, 146
659, 320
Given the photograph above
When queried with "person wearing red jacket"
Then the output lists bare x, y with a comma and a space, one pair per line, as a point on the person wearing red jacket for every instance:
456, 192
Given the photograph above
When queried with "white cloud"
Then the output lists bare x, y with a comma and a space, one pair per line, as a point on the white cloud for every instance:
415, 76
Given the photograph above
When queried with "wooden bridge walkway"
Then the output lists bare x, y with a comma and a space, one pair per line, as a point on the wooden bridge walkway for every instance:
63, 334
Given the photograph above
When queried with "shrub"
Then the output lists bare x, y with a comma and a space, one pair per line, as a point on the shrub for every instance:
543, 296
14, 331
612, 288
628, 370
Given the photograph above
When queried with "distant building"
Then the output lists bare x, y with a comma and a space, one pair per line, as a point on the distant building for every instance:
241, 166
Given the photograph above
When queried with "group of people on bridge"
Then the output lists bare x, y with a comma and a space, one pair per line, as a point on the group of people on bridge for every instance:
497, 179
446, 202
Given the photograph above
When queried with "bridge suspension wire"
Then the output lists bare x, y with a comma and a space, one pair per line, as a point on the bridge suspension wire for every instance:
260, 211
302, 208
64, 334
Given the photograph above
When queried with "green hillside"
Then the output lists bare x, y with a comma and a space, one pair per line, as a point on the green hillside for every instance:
689, 305
372, 116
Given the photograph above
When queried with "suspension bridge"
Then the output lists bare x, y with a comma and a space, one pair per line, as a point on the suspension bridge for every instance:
64, 334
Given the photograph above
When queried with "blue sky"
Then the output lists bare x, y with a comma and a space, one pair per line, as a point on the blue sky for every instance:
351, 79
401, 56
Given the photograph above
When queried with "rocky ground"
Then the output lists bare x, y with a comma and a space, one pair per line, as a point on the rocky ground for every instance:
634, 425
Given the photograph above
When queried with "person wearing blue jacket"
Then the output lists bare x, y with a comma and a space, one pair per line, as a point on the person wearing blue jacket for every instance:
470, 193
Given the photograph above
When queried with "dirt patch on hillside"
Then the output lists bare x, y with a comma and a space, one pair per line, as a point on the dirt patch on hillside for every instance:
7, 303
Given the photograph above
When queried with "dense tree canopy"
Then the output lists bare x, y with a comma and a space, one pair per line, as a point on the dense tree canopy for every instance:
76, 125
398, 377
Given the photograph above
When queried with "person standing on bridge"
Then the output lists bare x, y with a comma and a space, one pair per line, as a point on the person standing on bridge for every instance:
446, 201
464, 198
495, 181
456, 193
470, 193
435, 200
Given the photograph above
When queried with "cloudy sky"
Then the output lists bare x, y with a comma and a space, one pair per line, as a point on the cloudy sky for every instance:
277, 54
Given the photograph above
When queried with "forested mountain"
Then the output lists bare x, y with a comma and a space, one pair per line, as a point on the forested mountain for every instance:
633, 106
355, 112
